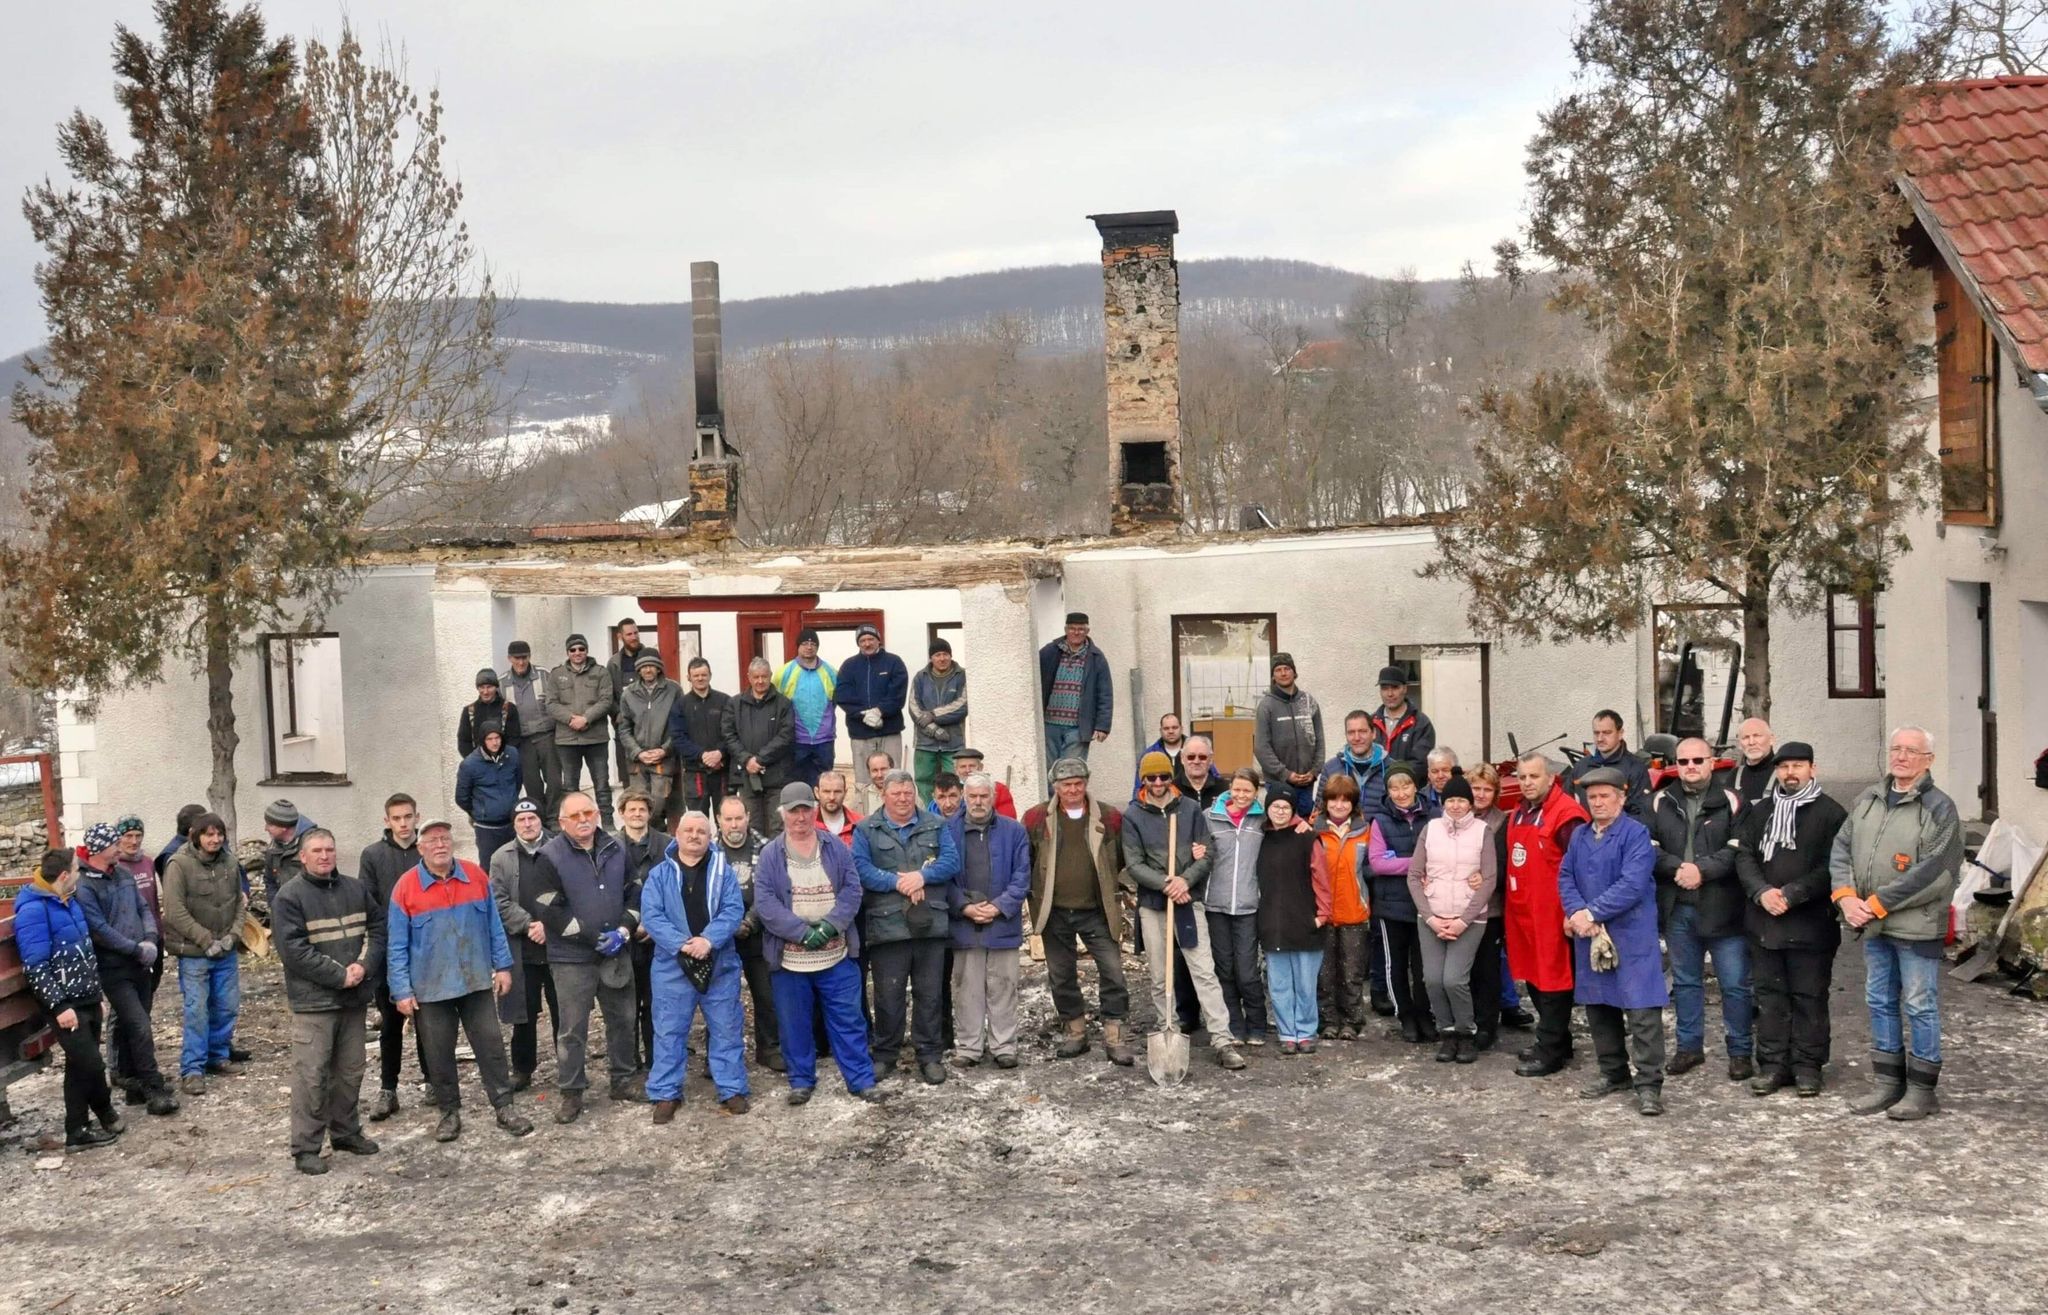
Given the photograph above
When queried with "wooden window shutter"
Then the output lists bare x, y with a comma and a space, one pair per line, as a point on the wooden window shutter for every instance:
1966, 369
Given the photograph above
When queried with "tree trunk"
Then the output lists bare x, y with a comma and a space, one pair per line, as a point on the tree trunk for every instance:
220, 717
1756, 641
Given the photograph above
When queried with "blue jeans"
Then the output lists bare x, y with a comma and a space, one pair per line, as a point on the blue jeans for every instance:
810, 762
1689, 951
837, 990
212, 989
1902, 981
1065, 742
1291, 982
676, 1003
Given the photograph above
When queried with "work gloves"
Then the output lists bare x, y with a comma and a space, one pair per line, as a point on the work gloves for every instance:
819, 935
611, 942
221, 948
146, 951
873, 717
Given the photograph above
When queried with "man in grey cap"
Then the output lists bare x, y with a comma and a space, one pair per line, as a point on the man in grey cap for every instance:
285, 826
645, 704
1077, 861
525, 687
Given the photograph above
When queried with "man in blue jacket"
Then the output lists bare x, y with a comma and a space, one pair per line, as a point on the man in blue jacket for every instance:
994, 883
692, 907
486, 788
1608, 885
127, 944
907, 862
1074, 691
871, 688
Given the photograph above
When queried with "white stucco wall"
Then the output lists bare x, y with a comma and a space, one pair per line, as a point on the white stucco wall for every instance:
1932, 675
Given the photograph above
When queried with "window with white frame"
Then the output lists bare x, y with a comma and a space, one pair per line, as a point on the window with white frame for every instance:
302, 702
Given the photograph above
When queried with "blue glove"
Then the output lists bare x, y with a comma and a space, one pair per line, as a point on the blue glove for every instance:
611, 942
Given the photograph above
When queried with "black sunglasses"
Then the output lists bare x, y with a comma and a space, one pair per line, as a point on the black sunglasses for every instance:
1691, 762
1150, 779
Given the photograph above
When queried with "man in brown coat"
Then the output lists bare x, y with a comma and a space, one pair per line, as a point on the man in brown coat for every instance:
1076, 861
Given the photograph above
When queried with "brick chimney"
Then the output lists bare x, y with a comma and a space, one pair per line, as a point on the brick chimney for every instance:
714, 462
1141, 347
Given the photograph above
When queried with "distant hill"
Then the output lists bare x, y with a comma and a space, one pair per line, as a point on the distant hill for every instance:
577, 358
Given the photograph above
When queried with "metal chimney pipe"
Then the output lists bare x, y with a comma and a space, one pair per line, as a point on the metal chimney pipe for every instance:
707, 341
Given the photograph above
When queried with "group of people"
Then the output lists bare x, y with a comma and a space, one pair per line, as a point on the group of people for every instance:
1275, 903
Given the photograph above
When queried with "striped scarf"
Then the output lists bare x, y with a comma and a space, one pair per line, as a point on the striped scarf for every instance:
1784, 815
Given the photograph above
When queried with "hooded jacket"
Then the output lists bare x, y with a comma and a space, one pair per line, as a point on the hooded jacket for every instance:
937, 708
203, 900
55, 944
1407, 738
1234, 858
321, 925
1287, 733
487, 786
120, 919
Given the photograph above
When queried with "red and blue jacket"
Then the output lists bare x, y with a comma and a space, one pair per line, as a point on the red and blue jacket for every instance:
445, 937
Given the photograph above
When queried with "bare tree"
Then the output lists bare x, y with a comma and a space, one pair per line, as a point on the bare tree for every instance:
1993, 37
431, 359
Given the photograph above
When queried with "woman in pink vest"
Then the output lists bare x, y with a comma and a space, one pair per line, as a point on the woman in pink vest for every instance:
1451, 878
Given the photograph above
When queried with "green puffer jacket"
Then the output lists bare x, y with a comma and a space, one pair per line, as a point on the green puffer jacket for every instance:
203, 900
1903, 858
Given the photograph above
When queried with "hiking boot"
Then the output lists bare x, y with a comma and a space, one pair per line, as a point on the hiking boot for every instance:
134, 1093
801, 1095
193, 1084
1517, 1017
233, 1068
1113, 1043
1484, 1041
1920, 1101
1529, 1052
1806, 1083
86, 1139
386, 1106
734, 1105
1650, 1101
309, 1162
872, 1095
1383, 1006
513, 1121
1468, 1050
632, 1090
932, 1072
1073, 1039
1603, 1086
1887, 1083
961, 1059
1230, 1057
568, 1106
1535, 1066
1763, 1084
1347, 1033
1685, 1061
1447, 1048
1006, 1061
1329, 1031
1256, 1039
665, 1110
237, 1055
1411, 1031
450, 1126
353, 1145
522, 1080
162, 1102
1741, 1068
775, 1062
1429, 1029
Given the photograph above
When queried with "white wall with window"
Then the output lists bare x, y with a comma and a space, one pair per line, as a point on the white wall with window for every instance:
302, 706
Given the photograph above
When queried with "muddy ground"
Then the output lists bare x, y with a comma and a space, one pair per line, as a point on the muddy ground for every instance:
1366, 1177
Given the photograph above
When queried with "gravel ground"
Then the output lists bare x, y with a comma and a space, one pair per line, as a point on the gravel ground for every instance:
1363, 1177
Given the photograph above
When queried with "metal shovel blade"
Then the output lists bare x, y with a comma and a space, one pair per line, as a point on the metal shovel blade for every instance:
1166, 1058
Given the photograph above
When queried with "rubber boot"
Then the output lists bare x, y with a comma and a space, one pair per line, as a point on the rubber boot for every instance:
1113, 1042
1920, 1102
1074, 1039
1887, 1083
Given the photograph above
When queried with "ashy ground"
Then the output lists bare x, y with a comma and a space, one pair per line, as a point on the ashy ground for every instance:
1364, 1178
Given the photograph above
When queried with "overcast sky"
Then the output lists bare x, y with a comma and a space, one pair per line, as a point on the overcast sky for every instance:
838, 143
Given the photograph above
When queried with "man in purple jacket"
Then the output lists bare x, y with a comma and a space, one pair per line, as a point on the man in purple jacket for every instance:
807, 896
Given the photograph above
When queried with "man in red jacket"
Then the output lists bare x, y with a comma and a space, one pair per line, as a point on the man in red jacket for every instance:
1538, 952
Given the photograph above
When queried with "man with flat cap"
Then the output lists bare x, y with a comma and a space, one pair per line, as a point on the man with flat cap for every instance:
1074, 690
525, 687
1077, 861
1608, 885
1782, 845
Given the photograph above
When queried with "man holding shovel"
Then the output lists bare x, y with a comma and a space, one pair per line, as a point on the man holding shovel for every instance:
1166, 853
